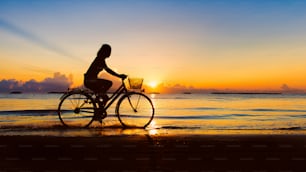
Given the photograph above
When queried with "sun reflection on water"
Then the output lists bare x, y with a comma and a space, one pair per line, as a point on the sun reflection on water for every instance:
152, 128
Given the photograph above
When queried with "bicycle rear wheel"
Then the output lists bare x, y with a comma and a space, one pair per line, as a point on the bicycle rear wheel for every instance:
76, 110
135, 110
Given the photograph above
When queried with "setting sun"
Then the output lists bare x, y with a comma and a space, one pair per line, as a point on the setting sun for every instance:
152, 84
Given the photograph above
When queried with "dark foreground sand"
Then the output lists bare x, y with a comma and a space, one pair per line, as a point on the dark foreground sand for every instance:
154, 153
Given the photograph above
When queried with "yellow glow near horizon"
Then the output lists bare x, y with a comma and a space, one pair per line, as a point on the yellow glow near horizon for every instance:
152, 84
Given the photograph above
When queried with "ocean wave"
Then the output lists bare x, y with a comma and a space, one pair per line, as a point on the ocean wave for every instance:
203, 108
207, 117
252, 110
56, 126
297, 116
178, 127
173, 98
42, 112
276, 110
291, 128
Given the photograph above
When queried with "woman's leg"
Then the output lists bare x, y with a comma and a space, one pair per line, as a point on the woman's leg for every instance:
103, 85
98, 85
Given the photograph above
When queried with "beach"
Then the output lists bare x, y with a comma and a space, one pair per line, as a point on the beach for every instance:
192, 132
224, 152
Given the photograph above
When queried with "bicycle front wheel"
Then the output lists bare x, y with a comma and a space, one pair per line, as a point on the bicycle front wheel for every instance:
135, 110
76, 110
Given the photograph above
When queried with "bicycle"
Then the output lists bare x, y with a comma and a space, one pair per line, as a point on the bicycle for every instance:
80, 107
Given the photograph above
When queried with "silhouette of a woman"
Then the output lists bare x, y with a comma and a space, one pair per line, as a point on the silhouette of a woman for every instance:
91, 79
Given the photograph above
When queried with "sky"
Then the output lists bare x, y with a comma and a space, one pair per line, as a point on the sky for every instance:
172, 44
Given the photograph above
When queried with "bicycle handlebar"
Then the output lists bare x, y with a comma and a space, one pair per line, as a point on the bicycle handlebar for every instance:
123, 76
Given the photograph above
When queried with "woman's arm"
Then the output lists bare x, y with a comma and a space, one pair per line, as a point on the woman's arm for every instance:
110, 71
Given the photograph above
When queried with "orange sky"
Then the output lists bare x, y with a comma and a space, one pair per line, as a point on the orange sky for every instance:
239, 45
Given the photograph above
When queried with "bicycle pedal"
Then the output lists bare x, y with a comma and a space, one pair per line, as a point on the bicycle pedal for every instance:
98, 118
100, 115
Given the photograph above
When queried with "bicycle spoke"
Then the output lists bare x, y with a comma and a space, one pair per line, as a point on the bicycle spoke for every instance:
82, 104
135, 110
72, 99
78, 100
76, 109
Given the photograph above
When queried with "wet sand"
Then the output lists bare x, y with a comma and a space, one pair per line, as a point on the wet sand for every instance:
234, 152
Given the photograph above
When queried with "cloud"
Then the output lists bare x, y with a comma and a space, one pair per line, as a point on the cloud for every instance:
286, 89
59, 82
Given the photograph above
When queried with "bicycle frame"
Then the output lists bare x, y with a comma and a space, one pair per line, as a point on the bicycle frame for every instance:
115, 95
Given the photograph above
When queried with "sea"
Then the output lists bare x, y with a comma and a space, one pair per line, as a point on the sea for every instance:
175, 114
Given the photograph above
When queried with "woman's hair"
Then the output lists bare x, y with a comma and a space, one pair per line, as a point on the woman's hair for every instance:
104, 51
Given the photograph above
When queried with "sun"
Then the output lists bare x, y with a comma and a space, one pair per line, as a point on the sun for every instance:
152, 84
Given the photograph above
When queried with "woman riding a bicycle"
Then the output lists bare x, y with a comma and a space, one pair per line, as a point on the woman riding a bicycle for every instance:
91, 80
78, 107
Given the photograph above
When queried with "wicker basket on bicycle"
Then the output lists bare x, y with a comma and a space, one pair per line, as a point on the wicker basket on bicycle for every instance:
135, 83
